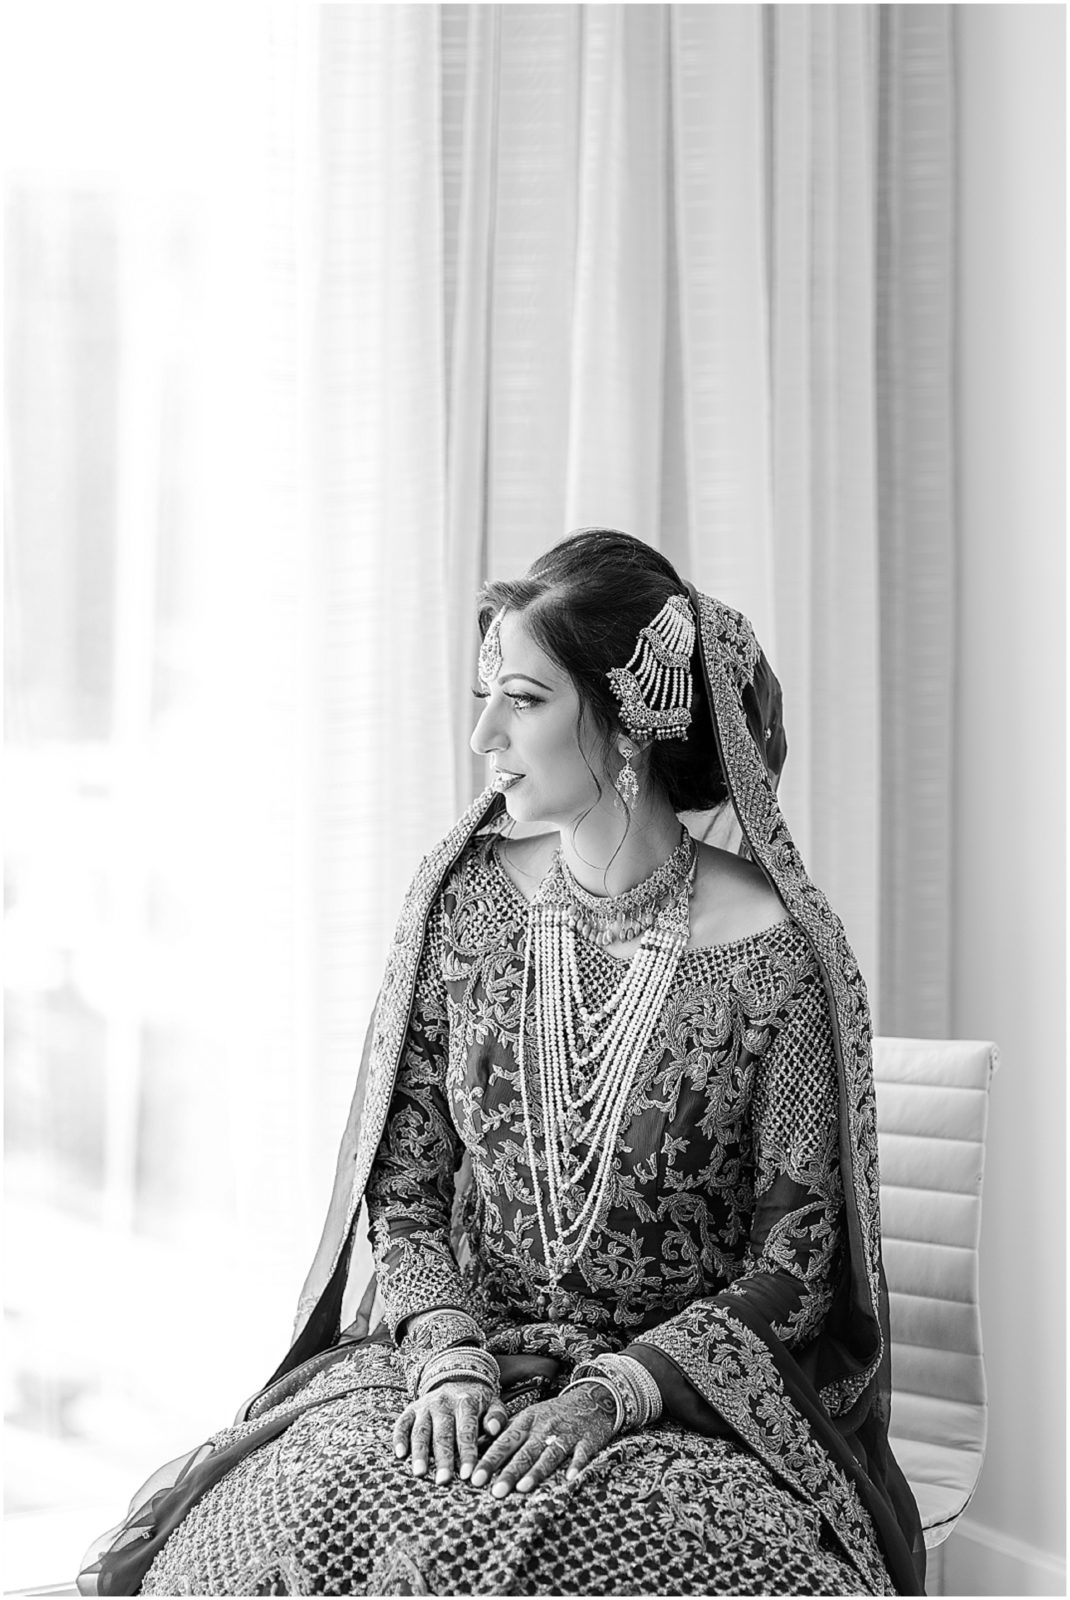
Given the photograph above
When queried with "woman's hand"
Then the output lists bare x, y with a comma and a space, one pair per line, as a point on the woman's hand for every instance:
569, 1430
445, 1423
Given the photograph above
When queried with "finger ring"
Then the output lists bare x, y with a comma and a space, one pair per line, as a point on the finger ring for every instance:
551, 1439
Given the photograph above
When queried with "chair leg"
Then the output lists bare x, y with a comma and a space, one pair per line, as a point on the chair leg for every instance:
934, 1571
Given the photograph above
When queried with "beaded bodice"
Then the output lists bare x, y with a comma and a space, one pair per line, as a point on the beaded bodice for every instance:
725, 1169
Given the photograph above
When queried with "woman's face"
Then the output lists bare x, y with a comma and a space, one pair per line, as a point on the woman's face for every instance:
530, 729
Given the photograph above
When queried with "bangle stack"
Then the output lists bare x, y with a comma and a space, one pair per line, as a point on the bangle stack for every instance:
636, 1396
432, 1334
462, 1364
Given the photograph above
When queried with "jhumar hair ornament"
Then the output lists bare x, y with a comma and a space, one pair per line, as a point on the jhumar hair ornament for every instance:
654, 689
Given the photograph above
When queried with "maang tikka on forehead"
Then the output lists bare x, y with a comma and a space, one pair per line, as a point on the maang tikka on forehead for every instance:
490, 651
654, 689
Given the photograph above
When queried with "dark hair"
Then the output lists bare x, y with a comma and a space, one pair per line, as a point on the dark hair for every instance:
584, 602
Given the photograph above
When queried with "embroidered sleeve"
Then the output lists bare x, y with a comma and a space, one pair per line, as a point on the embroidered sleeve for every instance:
796, 1237
795, 1245
410, 1188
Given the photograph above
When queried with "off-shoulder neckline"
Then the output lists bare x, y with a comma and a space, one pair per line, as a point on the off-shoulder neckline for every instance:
711, 951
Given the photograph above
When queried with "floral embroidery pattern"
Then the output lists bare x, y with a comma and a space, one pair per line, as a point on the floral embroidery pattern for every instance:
732, 1368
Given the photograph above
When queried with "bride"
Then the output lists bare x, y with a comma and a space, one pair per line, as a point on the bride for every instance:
614, 1140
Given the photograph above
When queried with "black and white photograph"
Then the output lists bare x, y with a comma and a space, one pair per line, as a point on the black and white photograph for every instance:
534, 791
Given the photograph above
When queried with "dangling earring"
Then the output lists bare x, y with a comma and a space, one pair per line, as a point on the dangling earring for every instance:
627, 784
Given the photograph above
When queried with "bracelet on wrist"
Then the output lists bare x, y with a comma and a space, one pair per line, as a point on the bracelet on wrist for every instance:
460, 1364
633, 1386
644, 1387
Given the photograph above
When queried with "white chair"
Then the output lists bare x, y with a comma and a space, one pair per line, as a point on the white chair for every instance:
932, 1116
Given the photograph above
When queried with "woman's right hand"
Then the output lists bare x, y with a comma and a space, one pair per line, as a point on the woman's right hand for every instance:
443, 1426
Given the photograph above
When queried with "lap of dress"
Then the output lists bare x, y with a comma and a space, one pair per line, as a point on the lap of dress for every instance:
326, 1509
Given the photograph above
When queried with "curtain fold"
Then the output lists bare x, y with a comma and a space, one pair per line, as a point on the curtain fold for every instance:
533, 266
615, 397
790, 97
718, 127
916, 496
842, 603
470, 77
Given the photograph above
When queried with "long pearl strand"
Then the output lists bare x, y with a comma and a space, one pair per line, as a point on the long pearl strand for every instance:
588, 1113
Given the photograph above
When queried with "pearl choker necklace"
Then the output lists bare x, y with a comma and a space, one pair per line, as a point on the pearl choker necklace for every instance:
588, 1061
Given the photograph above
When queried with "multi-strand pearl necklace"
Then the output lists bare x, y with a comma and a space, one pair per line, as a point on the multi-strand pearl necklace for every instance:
588, 1060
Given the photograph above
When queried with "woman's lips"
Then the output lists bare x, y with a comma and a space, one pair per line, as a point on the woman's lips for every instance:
506, 780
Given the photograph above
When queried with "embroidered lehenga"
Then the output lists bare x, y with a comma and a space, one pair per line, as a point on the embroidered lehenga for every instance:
737, 1251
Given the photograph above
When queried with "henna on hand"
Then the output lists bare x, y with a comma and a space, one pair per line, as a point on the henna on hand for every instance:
443, 1425
567, 1431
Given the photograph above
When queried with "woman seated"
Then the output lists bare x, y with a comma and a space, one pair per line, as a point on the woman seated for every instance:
614, 1137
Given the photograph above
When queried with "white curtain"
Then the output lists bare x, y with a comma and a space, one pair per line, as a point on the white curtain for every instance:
415, 290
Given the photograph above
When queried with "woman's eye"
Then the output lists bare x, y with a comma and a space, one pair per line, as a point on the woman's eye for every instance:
520, 701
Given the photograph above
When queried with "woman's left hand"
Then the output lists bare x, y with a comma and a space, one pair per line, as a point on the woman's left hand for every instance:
568, 1431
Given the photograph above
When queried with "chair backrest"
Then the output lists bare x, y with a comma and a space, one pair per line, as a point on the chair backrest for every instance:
932, 1117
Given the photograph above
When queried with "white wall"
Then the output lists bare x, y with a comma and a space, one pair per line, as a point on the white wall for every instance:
1009, 966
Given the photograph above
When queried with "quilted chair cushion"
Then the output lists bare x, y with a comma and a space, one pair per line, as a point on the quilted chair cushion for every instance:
932, 1114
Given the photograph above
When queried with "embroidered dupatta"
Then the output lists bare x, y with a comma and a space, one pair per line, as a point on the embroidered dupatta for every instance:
818, 1419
